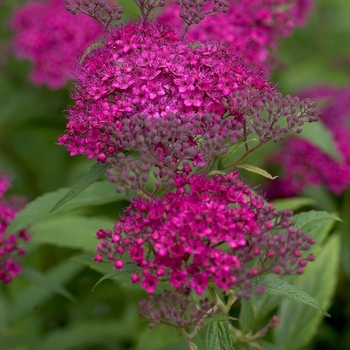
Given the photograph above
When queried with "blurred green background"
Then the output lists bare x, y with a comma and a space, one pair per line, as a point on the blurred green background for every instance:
35, 316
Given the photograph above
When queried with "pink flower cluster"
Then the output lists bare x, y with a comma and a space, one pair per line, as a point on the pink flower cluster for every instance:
52, 39
253, 27
9, 249
334, 174
148, 69
215, 230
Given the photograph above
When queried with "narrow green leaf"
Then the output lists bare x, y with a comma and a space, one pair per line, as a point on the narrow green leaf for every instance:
279, 287
246, 315
218, 336
256, 170
39, 209
320, 136
129, 268
299, 323
36, 277
96, 171
72, 231
87, 259
292, 203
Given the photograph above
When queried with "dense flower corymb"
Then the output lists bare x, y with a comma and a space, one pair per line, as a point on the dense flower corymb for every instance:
208, 230
9, 249
254, 27
52, 39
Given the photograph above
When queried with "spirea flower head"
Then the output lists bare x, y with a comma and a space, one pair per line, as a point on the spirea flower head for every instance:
147, 69
52, 39
9, 249
209, 230
254, 27
298, 171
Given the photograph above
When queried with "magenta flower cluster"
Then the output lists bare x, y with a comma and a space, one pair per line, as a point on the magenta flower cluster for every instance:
148, 69
209, 230
9, 248
52, 39
253, 27
299, 172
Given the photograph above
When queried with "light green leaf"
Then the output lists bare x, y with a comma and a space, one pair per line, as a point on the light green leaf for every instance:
72, 231
87, 259
292, 203
36, 295
38, 278
279, 287
96, 171
39, 209
299, 323
129, 268
219, 337
256, 170
320, 136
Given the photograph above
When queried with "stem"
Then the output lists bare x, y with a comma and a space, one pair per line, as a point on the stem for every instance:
245, 155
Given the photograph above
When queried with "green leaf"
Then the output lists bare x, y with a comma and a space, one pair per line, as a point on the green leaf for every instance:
128, 268
219, 337
36, 295
246, 315
292, 203
38, 210
256, 170
96, 171
299, 323
72, 231
279, 287
316, 224
87, 259
36, 277
320, 136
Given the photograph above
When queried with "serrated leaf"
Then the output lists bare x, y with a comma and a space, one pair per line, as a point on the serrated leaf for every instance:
39, 209
279, 287
299, 323
256, 170
96, 171
38, 278
72, 231
320, 136
294, 203
218, 336
128, 268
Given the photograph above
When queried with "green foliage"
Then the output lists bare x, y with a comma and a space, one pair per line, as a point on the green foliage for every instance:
96, 172
218, 336
299, 322
40, 209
